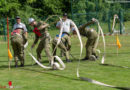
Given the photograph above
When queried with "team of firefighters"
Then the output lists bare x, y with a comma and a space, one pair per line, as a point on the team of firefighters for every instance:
19, 39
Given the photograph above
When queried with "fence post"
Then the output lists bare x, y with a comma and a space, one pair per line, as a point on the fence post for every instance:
109, 21
72, 10
4, 29
121, 21
12, 21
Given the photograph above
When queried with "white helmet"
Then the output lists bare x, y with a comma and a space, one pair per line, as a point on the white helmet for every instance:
30, 20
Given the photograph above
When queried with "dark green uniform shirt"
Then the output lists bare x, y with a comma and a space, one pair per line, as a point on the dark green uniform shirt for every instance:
89, 33
43, 31
19, 33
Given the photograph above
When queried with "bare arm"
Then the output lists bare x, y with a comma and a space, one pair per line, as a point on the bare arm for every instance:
44, 26
58, 25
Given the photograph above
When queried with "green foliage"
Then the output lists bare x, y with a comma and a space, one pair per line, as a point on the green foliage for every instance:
25, 14
127, 15
80, 7
90, 6
30, 1
9, 7
83, 10
52, 7
41, 8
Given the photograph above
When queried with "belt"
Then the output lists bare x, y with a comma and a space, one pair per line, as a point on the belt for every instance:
19, 28
17, 35
66, 33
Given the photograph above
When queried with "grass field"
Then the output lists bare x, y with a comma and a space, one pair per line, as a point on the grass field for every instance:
36, 78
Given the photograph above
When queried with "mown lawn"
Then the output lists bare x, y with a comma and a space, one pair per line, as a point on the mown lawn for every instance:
36, 78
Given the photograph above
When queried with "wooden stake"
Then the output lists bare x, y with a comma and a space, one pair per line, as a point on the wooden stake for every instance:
8, 39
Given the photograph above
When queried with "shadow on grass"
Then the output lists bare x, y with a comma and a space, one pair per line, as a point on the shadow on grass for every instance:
34, 55
50, 73
114, 66
119, 53
3, 56
12, 66
4, 66
4, 61
76, 79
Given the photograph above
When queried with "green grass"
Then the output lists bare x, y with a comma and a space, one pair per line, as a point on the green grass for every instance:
36, 78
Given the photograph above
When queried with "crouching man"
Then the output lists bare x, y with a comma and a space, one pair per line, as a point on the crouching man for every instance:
92, 36
61, 45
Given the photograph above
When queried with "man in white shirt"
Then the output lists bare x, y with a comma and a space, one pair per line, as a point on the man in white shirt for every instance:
20, 25
67, 24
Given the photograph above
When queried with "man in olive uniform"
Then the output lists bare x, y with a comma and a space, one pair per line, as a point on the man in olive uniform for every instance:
41, 32
92, 35
18, 39
61, 45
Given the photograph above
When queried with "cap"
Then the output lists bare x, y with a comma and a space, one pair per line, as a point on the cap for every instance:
65, 14
30, 20
17, 17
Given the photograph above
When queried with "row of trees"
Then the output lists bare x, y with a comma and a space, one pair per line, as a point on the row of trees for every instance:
43, 8
99, 9
35, 8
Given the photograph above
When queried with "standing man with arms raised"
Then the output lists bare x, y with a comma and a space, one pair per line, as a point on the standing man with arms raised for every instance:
18, 39
41, 32
67, 24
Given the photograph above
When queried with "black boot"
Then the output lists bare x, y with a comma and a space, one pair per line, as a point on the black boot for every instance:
54, 59
97, 57
67, 60
35, 64
16, 64
22, 65
84, 59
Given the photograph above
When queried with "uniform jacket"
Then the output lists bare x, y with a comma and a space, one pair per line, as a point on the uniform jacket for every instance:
43, 31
